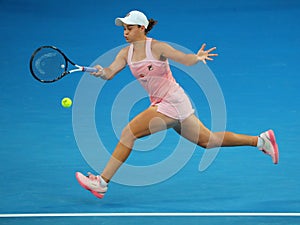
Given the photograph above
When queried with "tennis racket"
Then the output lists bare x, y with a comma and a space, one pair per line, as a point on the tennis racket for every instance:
49, 64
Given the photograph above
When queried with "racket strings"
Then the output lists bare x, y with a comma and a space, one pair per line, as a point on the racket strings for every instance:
48, 64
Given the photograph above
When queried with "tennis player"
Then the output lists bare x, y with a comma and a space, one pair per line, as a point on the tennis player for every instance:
170, 106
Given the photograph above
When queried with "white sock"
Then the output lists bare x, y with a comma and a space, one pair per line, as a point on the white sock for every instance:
260, 142
103, 183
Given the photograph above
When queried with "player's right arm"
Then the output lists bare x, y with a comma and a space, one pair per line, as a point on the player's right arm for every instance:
115, 67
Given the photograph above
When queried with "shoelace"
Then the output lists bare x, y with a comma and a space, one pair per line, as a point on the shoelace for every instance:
93, 177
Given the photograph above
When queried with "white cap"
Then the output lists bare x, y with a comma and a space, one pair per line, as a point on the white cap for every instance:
133, 18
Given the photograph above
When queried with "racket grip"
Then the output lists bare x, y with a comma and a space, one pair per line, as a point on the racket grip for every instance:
89, 69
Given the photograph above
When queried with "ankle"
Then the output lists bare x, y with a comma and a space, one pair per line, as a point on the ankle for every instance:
103, 180
259, 143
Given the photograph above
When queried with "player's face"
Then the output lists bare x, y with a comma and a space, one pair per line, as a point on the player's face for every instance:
133, 33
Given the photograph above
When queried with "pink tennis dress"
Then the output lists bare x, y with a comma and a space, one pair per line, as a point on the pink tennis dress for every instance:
164, 92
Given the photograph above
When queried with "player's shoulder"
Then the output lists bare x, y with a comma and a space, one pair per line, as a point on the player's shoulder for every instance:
125, 49
155, 42
158, 44
124, 52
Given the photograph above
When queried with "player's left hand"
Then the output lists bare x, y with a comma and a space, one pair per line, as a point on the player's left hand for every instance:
204, 55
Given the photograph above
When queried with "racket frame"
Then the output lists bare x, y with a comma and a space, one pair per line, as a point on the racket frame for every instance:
67, 60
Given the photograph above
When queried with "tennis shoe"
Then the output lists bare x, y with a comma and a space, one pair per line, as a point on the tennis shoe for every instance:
269, 146
92, 184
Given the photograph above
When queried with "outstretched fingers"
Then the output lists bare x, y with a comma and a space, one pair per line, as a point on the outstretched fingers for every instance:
209, 54
204, 55
211, 49
203, 47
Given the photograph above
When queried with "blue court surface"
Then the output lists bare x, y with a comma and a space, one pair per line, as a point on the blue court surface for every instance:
256, 88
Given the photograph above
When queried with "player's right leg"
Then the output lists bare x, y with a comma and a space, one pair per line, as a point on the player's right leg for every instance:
148, 122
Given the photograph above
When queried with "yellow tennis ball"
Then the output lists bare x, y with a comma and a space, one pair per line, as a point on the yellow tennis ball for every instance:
66, 102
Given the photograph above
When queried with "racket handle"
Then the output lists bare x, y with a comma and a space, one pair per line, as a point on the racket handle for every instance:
89, 69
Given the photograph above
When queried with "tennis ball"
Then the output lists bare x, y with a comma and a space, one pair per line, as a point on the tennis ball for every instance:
66, 102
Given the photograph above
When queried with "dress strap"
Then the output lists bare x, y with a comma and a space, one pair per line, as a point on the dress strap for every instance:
130, 52
148, 49
149, 55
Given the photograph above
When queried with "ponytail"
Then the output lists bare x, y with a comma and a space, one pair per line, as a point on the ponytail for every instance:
151, 24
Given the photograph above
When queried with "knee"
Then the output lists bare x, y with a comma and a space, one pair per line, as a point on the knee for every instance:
204, 145
211, 142
127, 137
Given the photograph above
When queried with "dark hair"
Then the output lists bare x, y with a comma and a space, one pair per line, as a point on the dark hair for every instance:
151, 24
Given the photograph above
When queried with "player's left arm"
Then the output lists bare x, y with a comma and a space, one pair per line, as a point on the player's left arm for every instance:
167, 51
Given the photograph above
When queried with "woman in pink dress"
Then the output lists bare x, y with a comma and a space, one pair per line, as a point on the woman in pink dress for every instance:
170, 106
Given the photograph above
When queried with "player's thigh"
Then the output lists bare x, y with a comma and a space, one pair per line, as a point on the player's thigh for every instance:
148, 122
194, 130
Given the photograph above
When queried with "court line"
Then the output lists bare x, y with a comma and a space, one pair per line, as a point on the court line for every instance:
266, 214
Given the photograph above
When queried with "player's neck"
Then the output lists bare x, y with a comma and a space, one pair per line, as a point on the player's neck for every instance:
140, 42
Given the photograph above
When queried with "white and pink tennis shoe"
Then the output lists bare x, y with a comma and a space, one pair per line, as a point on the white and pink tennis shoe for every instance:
270, 146
92, 184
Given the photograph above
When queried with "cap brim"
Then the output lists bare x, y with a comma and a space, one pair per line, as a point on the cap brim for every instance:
122, 21
119, 21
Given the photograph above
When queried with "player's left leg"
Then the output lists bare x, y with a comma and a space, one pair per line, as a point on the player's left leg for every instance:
194, 130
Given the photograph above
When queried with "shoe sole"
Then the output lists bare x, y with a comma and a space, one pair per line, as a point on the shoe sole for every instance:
98, 195
273, 141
